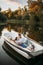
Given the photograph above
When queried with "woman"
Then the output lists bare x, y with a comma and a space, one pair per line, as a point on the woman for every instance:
24, 42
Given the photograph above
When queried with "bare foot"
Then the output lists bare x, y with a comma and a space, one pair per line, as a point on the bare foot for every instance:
31, 49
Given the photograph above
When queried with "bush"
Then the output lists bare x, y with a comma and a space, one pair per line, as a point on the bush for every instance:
3, 17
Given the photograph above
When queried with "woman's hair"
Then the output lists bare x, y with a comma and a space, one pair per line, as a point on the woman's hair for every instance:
16, 38
19, 35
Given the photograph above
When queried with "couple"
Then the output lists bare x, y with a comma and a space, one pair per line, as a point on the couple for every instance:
24, 42
17, 37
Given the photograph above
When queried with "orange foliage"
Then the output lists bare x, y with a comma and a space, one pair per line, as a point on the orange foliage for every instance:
34, 7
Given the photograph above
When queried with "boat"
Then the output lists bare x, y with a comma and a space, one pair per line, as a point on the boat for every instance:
24, 52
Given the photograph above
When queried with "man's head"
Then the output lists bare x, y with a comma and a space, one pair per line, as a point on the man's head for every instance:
19, 35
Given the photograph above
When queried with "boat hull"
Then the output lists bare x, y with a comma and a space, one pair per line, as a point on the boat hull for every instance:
12, 53
22, 51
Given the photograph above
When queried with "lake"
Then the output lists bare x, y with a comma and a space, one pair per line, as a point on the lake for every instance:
7, 59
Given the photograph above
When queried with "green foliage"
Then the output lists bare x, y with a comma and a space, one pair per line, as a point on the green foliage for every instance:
2, 17
0, 9
36, 18
19, 17
26, 17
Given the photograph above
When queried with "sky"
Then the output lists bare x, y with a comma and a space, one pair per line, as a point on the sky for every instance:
13, 4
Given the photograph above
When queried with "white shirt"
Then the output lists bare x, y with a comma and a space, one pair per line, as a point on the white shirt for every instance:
21, 40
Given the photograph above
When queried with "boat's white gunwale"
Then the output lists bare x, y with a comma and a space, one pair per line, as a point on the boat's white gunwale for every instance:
20, 46
19, 51
34, 53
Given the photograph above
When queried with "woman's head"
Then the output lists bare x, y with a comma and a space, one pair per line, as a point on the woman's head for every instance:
19, 35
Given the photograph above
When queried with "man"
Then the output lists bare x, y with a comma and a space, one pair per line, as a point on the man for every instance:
24, 42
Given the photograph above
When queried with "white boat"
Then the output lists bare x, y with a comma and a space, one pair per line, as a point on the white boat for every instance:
24, 51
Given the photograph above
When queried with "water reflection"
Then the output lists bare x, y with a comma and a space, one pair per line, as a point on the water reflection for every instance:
22, 61
5, 59
19, 59
16, 59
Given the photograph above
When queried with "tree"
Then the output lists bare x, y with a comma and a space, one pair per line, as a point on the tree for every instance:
26, 17
0, 9
19, 17
2, 17
34, 21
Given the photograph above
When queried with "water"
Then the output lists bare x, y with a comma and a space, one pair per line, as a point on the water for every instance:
5, 59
